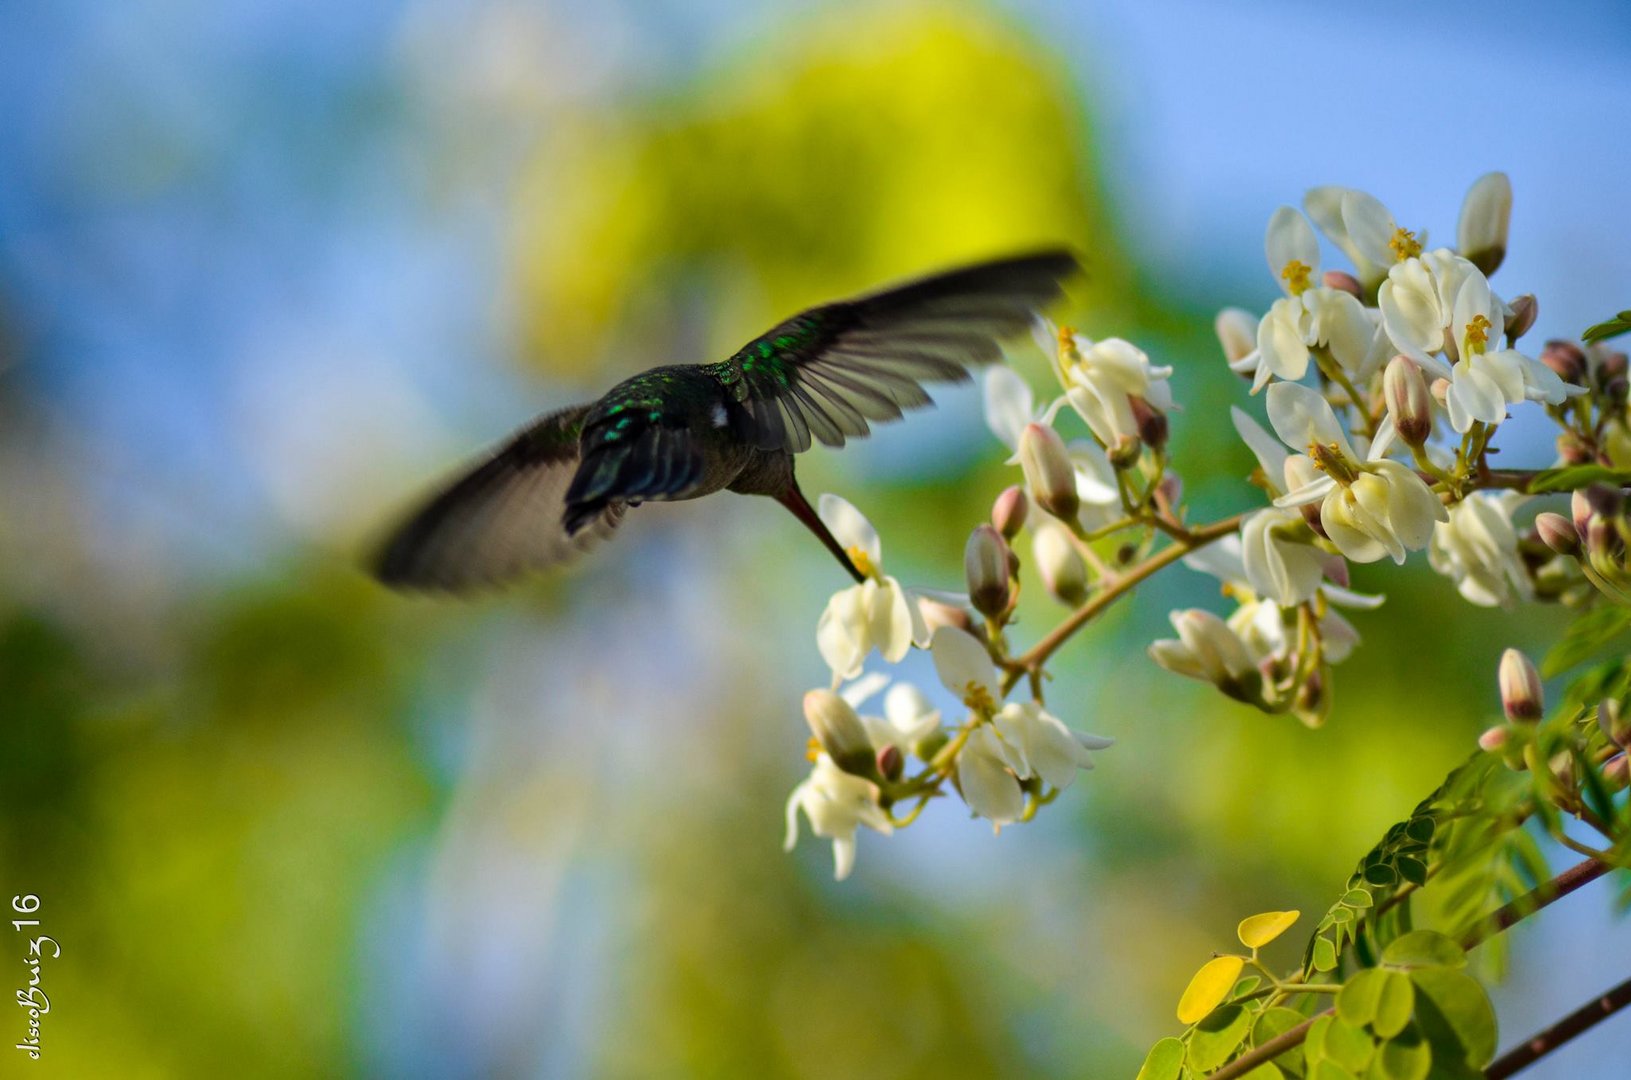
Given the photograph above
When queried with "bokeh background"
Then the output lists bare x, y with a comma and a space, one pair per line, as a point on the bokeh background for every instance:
269, 266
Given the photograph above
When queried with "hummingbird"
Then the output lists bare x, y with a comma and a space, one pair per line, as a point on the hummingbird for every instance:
565, 481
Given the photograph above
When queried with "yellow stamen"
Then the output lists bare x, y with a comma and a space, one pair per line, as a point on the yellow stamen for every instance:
1478, 335
813, 749
1404, 244
1296, 275
1329, 460
862, 561
979, 699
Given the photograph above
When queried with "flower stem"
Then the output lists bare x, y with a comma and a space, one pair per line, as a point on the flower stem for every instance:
1114, 590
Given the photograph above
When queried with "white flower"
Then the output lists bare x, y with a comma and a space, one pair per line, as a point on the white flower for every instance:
1208, 649
1360, 225
1010, 407
907, 719
1101, 379
835, 803
879, 612
1310, 315
1280, 559
1486, 214
1010, 743
1368, 508
1485, 383
1477, 548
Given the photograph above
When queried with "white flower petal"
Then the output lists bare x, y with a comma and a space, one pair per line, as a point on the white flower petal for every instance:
1300, 415
850, 527
1290, 239
961, 660
1009, 405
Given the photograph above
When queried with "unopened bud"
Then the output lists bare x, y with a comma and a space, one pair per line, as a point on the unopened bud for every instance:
1605, 501
1572, 450
1008, 513
891, 762
1171, 488
1494, 740
937, 614
1617, 772
1525, 310
1480, 235
1208, 649
1063, 573
1567, 359
1521, 696
839, 732
1152, 422
1440, 389
1048, 471
1580, 511
1562, 769
1405, 390
1612, 365
985, 566
1343, 281
1558, 533
1616, 725
1237, 333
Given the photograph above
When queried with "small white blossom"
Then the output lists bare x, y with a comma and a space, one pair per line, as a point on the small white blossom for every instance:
1477, 548
1281, 560
1358, 224
1011, 742
907, 719
1101, 379
1368, 509
836, 804
1208, 649
878, 613
1310, 315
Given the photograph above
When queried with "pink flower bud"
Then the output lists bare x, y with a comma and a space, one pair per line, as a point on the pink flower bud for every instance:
1405, 391
1558, 533
1522, 698
1008, 513
1525, 310
891, 762
1048, 471
1567, 359
1342, 281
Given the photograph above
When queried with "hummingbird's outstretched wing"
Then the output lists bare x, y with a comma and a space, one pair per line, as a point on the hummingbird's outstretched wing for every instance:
501, 518
829, 371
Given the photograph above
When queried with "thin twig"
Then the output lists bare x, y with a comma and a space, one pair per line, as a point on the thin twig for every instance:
1544, 1042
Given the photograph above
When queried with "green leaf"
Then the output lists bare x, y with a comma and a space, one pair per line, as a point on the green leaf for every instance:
1245, 986
1329, 1070
1412, 870
1584, 636
1348, 1045
1357, 898
1455, 1015
1276, 1021
1608, 328
1408, 1056
1266, 1071
1394, 1005
1325, 954
1574, 477
1357, 1000
1381, 875
1217, 1037
1424, 949
1164, 1061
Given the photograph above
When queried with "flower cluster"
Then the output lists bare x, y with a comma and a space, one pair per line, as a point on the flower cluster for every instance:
1383, 388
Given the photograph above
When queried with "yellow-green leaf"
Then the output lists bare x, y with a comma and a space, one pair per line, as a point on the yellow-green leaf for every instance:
1164, 1062
1394, 1005
1208, 988
1258, 930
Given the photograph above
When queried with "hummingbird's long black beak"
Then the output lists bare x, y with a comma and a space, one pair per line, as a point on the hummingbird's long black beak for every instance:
795, 501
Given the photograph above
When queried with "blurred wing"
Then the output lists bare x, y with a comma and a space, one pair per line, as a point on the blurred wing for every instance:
501, 519
830, 371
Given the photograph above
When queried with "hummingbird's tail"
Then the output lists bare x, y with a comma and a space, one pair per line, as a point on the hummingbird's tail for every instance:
794, 500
